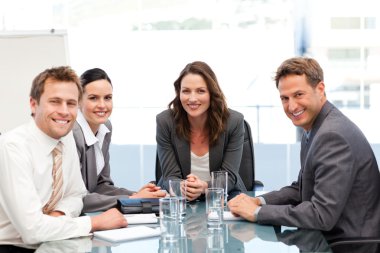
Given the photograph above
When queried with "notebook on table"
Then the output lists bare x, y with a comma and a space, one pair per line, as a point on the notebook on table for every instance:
126, 234
141, 218
227, 216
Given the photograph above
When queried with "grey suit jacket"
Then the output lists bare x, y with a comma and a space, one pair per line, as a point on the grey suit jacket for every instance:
102, 194
338, 188
174, 152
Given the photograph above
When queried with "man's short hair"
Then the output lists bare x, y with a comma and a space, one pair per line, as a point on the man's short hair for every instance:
63, 73
301, 66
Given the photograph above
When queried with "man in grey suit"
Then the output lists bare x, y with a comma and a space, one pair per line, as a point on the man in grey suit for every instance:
338, 187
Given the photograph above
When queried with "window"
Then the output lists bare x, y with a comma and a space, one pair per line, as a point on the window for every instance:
345, 23
343, 54
341, 23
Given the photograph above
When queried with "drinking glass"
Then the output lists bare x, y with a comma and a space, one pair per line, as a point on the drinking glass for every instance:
169, 218
214, 207
219, 179
177, 189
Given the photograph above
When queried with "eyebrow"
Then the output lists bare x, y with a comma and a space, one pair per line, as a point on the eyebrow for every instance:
96, 95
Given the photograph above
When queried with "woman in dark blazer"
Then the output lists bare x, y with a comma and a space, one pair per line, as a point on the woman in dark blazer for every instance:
92, 132
198, 134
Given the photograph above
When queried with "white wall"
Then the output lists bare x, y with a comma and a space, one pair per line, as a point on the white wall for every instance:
22, 57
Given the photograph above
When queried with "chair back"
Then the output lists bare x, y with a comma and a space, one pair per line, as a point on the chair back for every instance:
158, 169
247, 164
353, 245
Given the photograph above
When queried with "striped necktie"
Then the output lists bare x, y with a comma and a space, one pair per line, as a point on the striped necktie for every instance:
57, 180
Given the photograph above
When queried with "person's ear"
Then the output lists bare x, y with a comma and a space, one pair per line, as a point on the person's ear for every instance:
321, 89
33, 105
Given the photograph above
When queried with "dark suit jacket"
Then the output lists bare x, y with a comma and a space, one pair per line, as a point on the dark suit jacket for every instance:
338, 188
102, 194
174, 152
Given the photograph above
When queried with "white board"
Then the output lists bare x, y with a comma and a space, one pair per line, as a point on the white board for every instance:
22, 57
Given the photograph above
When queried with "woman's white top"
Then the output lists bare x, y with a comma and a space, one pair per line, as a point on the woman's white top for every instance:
200, 166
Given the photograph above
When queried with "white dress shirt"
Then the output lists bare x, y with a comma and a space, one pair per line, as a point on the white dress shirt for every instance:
26, 163
91, 139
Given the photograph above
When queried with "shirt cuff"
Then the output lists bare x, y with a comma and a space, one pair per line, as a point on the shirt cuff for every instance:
84, 225
256, 213
262, 200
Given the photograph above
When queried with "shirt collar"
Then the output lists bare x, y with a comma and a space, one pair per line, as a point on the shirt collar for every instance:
307, 134
89, 136
48, 142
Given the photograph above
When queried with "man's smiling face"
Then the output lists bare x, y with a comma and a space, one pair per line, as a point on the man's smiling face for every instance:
301, 102
57, 109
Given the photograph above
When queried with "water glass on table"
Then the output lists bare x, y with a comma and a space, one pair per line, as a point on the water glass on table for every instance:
214, 207
219, 179
169, 218
177, 189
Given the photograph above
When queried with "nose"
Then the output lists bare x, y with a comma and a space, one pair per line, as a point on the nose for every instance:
192, 97
101, 103
292, 105
64, 109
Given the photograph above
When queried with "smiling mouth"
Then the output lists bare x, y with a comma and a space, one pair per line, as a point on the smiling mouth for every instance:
100, 113
61, 122
193, 106
296, 114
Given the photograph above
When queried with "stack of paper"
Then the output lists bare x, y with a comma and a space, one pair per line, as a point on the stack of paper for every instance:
229, 216
141, 218
125, 234
226, 216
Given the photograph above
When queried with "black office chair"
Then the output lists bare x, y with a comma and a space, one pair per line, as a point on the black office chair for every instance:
356, 245
247, 165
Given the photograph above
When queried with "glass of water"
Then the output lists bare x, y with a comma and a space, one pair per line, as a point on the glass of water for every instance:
177, 189
214, 207
219, 179
169, 218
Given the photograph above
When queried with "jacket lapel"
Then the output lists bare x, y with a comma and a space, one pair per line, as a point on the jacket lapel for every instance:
305, 144
183, 155
216, 153
91, 173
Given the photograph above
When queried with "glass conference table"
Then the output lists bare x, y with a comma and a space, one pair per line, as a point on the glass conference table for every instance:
235, 236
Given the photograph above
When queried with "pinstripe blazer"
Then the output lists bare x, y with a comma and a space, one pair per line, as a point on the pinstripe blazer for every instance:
102, 194
174, 152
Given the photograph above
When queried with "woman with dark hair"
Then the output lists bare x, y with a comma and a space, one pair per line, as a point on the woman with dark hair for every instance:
198, 134
92, 133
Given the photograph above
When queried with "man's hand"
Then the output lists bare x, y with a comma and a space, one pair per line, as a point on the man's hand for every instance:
110, 219
149, 191
194, 187
244, 206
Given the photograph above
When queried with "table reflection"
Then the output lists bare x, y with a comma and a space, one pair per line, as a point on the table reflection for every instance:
78, 245
306, 240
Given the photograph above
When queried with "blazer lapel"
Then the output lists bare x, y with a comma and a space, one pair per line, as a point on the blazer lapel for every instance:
305, 144
183, 155
216, 153
91, 173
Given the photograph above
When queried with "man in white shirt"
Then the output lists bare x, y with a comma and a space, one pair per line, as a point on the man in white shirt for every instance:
26, 167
